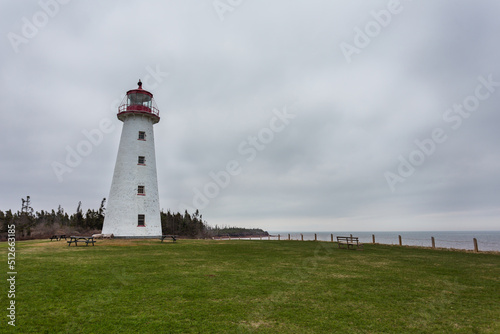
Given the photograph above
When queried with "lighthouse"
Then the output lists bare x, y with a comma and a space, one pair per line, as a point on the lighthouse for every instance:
133, 208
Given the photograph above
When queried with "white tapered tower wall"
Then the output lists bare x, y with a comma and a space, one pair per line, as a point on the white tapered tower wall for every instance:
124, 203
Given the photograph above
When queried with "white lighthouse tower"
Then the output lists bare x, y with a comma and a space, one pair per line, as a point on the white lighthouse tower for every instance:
133, 208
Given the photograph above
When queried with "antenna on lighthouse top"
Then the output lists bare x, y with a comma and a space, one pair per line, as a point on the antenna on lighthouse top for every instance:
139, 84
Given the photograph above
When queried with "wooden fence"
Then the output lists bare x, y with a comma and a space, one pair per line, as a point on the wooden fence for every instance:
279, 237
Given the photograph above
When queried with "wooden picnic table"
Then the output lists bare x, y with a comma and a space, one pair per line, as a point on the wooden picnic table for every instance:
174, 237
77, 239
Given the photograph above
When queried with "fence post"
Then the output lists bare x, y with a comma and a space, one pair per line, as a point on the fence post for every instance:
400, 241
331, 236
476, 249
279, 237
433, 242
301, 237
373, 238
288, 236
315, 237
268, 237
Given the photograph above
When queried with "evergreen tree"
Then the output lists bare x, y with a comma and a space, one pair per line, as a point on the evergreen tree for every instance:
3, 223
26, 218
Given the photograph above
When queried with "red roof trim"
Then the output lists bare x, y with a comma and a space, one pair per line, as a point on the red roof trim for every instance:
139, 91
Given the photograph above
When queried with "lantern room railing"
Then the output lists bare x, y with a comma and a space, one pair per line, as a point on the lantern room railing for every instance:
138, 108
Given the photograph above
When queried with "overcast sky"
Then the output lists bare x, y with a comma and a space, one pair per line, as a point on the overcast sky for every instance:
312, 115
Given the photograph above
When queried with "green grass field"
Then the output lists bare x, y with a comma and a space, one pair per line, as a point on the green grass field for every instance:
206, 286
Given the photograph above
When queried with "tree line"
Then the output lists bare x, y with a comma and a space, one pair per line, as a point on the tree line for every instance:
43, 224
237, 232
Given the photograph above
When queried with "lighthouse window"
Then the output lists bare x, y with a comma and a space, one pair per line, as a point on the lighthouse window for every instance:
141, 160
142, 135
140, 220
139, 99
140, 190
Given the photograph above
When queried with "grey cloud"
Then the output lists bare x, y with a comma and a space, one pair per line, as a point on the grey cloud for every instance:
224, 80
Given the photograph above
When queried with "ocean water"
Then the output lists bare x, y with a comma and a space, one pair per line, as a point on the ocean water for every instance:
486, 240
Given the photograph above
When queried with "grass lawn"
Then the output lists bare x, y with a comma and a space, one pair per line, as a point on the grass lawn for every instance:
206, 286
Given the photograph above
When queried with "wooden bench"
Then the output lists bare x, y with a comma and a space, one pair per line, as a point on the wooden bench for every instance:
174, 237
58, 237
76, 240
349, 242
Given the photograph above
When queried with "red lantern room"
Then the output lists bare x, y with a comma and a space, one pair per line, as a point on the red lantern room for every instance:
140, 102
